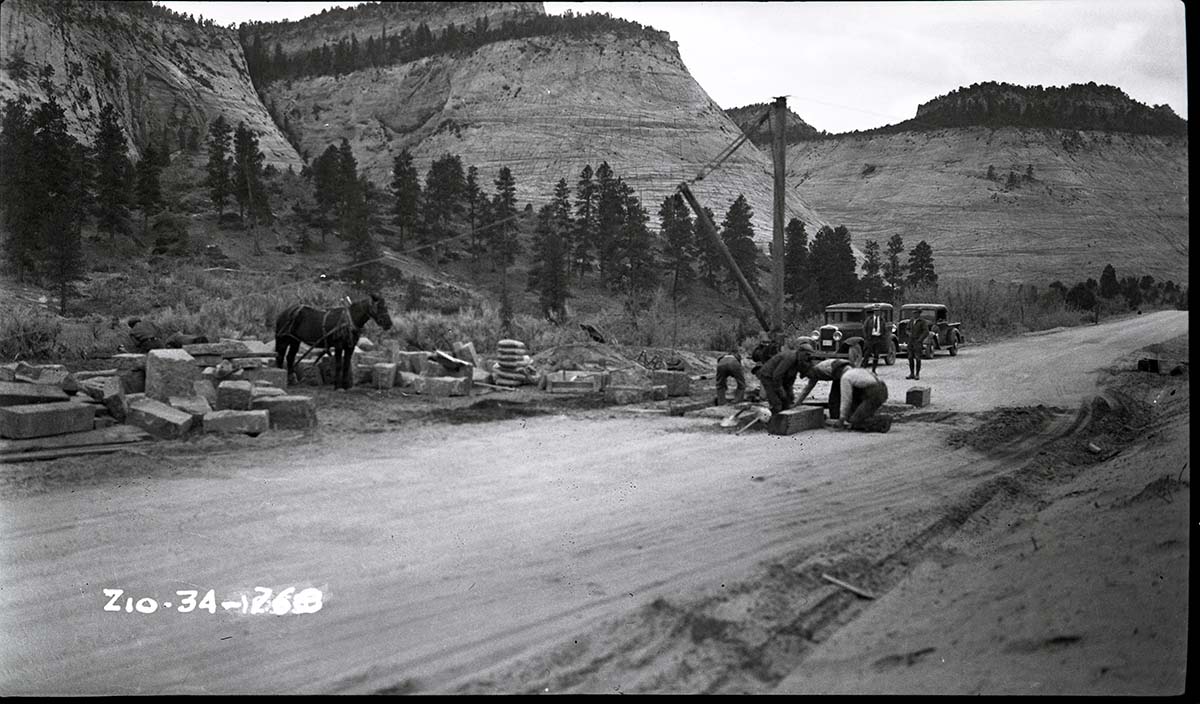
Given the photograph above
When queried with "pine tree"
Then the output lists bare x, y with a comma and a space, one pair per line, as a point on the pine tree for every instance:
564, 223
503, 234
1109, 286
247, 178
797, 278
710, 260
872, 280
445, 187
832, 262
326, 189
19, 192
609, 217
113, 172
407, 191
920, 266
634, 269
474, 201
61, 174
584, 235
679, 241
220, 163
737, 231
149, 192
548, 273
893, 268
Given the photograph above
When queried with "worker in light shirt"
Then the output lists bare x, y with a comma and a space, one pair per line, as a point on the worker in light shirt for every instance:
863, 394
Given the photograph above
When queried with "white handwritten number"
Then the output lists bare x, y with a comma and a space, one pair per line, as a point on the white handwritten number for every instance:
282, 604
189, 600
209, 602
308, 601
112, 604
259, 604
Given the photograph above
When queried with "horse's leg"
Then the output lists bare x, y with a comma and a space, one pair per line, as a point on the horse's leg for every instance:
281, 345
337, 367
293, 376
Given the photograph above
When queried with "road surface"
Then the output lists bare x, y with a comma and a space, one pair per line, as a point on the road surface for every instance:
446, 552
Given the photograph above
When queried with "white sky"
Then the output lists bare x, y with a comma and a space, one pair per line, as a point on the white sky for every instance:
857, 65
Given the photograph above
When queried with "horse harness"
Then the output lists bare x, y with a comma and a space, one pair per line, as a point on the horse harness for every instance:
344, 332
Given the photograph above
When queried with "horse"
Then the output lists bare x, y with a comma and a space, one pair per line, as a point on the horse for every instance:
334, 328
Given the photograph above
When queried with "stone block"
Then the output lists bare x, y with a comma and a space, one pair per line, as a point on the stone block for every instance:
258, 349
658, 392
432, 368
159, 419
134, 381
227, 348
39, 420
466, 352
917, 396
310, 373
82, 376
15, 393
110, 391
26, 373
407, 361
362, 374
251, 362
614, 393
169, 373
289, 412
276, 377
245, 422
207, 360
8, 372
677, 383
258, 391
102, 422
195, 406
443, 386
629, 377
385, 375
571, 386
205, 389
794, 420
56, 375
365, 344
129, 361
406, 379
234, 395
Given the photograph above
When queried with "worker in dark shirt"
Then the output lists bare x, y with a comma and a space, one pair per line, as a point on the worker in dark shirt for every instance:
778, 376
729, 366
918, 330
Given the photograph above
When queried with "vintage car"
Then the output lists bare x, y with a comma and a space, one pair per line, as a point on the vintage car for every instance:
844, 321
943, 334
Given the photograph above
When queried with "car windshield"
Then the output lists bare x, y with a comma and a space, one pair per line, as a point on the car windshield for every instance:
930, 314
843, 316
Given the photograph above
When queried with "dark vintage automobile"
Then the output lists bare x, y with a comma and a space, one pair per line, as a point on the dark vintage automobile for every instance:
844, 321
943, 334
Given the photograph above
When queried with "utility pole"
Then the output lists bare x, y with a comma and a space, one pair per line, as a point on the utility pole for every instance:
778, 127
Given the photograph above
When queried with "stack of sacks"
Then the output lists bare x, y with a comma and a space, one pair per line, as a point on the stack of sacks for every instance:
513, 367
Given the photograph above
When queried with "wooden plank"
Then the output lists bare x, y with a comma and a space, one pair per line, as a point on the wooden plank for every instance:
848, 587
65, 452
115, 434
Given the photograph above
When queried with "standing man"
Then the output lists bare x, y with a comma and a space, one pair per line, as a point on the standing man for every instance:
778, 376
877, 339
729, 366
863, 394
918, 330
827, 370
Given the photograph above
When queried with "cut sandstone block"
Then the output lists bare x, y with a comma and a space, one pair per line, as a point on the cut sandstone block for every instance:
169, 373
794, 420
406, 379
110, 391
39, 420
385, 375
572, 386
129, 361
410, 361
677, 383
230, 348
159, 419
13, 393
917, 396
258, 391
443, 386
276, 377
133, 381
247, 422
289, 412
234, 395
81, 376
8, 372
196, 406
204, 389
614, 393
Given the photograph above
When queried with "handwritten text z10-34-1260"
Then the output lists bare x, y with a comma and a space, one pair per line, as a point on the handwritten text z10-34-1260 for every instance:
262, 602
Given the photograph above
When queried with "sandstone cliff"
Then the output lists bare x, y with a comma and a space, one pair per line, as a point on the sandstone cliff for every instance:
545, 107
165, 75
1076, 200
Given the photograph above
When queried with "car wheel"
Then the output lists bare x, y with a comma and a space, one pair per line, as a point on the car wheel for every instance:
891, 355
953, 349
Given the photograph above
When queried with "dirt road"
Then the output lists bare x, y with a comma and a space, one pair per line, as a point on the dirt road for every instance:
449, 557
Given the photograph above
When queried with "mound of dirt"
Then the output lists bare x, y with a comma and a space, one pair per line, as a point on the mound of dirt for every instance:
584, 356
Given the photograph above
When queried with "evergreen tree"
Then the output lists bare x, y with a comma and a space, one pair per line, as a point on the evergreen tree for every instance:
407, 191
831, 261
709, 259
797, 278
220, 163
679, 241
893, 268
609, 217
564, 223
247, 177
1131, 291
872, 280
113, 173
584, 236
61, 179
20, 195
503, 234
326, 190
547, 275
149, 192
634, 269
920, 266
474, 200
1109, 286
445, 187
737, 231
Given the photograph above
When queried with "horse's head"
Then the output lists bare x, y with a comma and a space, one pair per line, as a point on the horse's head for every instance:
378, 311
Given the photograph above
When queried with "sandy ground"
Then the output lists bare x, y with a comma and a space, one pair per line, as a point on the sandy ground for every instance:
603, 550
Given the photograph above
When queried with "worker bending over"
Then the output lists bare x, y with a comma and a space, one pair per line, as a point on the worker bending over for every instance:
863, 394
778, 376
729, 366
828, 370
